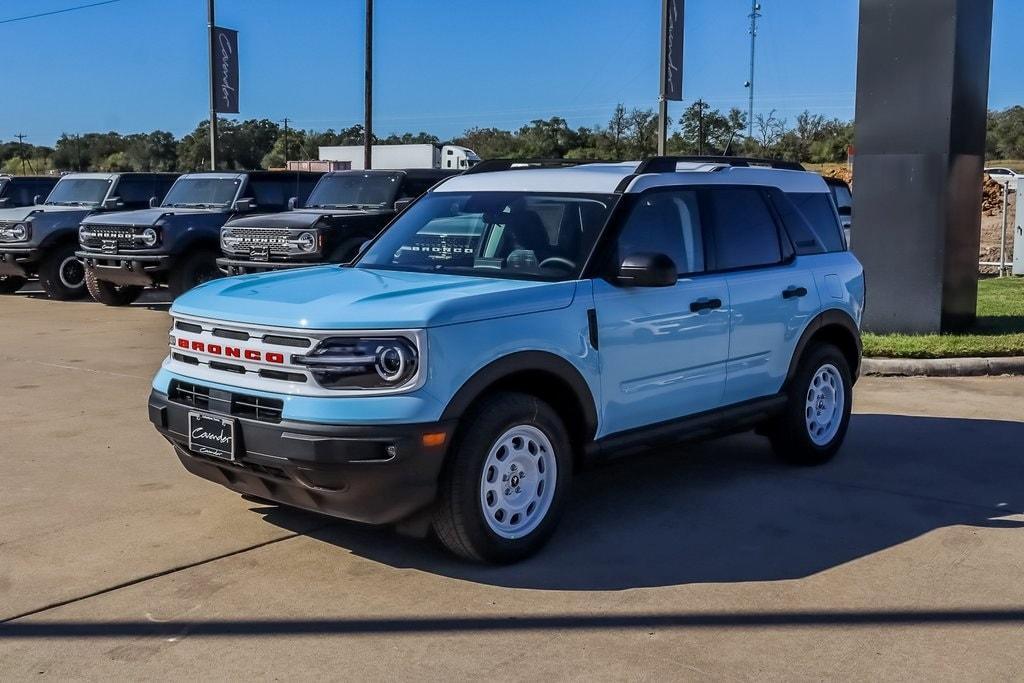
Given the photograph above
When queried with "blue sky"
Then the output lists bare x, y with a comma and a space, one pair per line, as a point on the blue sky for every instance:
440, 65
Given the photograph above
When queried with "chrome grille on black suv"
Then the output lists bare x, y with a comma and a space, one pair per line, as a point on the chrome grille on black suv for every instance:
96, 235
274, 239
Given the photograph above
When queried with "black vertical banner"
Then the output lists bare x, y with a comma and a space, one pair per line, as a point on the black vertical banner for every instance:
672, 45
225, 70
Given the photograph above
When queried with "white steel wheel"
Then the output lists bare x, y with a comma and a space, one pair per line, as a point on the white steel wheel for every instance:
825, 405
518, 482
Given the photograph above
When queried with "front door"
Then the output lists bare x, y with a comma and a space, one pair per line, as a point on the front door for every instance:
663, 349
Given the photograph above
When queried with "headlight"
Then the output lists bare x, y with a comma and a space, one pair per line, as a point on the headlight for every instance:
362, 363
149, 237
14, 233
306, 242
228, 240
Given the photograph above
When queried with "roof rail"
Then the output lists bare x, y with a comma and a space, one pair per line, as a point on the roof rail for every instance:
492, 165
668, 164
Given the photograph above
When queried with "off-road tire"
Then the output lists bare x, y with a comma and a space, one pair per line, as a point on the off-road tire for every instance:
195, 269
9, 284
790, 433
459, 520
109, 294
58, 274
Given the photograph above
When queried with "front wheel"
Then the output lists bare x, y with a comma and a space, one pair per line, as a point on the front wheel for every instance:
9, 284
109, 294
193, 270
817, 414
505, 485
62, 275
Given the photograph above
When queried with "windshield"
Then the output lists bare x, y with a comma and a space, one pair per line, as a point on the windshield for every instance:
493, 234
202, 193
355, 191
79, 191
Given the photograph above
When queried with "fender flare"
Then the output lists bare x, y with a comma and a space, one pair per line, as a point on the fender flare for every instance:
525, 361
832, 317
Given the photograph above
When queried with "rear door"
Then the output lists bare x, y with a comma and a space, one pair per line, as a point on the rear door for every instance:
663, 349
772, 297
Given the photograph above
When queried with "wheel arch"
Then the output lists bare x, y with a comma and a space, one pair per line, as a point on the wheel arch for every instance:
832, 326
526, 371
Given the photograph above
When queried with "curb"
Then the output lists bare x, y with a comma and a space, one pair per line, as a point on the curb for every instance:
942, 367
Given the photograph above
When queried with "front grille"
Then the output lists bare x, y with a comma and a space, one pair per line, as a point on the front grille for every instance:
122, 235
274, 239
226, 402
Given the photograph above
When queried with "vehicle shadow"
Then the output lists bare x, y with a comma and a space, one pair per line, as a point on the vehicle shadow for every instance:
727, 511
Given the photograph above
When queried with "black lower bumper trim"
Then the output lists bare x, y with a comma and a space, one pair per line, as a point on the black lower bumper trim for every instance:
18, 262
375, 474
142, 271
240, 267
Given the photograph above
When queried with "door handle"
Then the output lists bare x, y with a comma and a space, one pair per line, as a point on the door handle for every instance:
705, 305
794, 292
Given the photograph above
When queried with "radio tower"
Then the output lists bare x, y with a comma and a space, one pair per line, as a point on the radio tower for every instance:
755, 14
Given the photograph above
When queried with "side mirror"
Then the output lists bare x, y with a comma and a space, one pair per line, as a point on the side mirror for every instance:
112, 203
154, 202
244, 204
402, 204
38, 199
293, 202
647, 270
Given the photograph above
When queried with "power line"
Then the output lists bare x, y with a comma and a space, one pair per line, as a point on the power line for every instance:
57, 11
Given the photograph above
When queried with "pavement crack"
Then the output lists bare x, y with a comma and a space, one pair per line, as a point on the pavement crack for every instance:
165, 572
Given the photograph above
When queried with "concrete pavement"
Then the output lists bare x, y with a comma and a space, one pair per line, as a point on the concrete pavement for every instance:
901, 559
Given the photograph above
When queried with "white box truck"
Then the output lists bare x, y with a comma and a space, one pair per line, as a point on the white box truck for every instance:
404, 156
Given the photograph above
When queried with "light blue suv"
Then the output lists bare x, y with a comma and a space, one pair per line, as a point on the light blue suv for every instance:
512, 325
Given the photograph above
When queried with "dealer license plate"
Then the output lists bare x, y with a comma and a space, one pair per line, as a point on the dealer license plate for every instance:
211, 435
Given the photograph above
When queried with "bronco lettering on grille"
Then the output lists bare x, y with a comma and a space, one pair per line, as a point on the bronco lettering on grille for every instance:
230, 351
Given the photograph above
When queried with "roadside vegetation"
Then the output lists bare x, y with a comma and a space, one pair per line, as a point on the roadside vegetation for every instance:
999, 330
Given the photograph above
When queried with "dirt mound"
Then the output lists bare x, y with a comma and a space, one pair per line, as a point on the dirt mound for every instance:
991, 197
842, 173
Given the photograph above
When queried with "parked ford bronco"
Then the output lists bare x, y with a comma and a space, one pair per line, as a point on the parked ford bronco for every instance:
42, 239
176, 243
25, 190
345, 209
513, 325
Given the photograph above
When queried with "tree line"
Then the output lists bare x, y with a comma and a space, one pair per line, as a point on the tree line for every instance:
629, 134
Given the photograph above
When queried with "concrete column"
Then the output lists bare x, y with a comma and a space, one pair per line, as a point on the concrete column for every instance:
922, 101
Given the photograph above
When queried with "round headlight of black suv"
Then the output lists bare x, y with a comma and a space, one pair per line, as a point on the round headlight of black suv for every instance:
362, 362
14, 233
149, 237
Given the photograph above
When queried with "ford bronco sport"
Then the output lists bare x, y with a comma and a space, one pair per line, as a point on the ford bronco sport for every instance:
42, 239
177, 243
509, 327
345, 209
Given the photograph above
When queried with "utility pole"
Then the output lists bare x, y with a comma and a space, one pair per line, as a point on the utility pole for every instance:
21, 150
755, 14
368, 91
213, 87
286, 141
700, 127
662, 99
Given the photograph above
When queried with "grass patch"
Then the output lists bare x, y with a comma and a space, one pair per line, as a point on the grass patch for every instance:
999, 330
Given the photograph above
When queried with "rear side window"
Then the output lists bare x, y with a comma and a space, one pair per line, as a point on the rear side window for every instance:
741, 228
815, 227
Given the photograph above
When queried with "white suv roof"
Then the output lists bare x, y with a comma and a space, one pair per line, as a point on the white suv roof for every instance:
606, 178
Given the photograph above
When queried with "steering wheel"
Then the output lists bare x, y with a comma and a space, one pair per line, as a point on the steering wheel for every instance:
557, 261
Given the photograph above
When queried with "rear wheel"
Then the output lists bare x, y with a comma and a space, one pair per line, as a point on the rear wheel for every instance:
62, 275
817, 415
503, 490
108, 293
9, 284
195, 269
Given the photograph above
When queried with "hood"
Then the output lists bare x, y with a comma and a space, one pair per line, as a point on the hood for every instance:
22, 212
332, 297
150, 217
300, 218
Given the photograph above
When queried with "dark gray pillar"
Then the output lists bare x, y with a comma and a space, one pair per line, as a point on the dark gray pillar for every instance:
922, 99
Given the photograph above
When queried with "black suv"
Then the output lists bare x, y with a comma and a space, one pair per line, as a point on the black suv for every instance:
42, 239
176, 243
345, 209
25, 190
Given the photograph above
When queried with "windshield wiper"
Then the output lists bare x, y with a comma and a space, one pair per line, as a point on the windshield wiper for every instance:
342, 206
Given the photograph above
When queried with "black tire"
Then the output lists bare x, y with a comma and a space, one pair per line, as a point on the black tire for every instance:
808, 393
9, 284
109, 294
459, 520
62, 275
195, 269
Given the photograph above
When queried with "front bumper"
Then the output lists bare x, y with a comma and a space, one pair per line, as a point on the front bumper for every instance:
126, 269
18, 261
240, 267
345, 471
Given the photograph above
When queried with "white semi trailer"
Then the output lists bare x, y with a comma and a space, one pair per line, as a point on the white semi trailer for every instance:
404, 156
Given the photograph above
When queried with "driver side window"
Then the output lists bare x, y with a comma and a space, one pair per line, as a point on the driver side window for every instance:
665, 222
